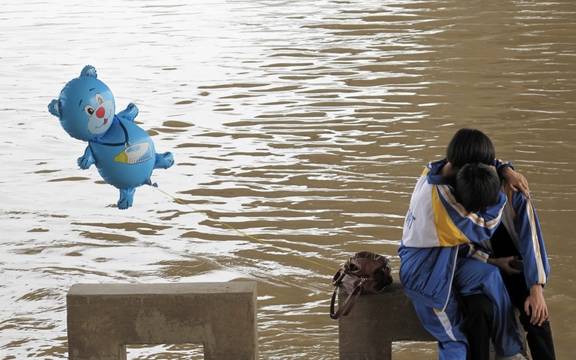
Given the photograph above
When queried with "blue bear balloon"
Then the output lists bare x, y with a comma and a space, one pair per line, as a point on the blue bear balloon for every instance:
123, 153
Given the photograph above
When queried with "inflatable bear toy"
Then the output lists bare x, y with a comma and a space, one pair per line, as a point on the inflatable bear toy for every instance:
123, 153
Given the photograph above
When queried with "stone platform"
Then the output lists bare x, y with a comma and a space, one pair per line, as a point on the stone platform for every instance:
104, 318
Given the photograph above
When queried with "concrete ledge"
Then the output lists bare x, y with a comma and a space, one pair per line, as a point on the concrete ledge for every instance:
103, 318
375, 322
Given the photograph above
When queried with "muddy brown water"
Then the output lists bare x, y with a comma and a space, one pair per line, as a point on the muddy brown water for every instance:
303, 124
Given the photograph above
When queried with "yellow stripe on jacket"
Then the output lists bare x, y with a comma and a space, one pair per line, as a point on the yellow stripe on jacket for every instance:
448, 233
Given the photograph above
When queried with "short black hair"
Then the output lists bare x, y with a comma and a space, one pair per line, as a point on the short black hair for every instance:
477, 186
470, 146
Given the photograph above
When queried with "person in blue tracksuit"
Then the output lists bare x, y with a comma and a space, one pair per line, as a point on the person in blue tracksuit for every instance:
438, 259
518, 249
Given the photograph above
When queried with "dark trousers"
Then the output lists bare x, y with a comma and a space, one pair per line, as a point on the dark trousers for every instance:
478, 319
539, 337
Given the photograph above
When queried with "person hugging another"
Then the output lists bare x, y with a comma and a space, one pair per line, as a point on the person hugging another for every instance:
442, 268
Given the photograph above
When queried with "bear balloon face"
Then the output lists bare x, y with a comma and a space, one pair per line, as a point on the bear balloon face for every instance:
85, 106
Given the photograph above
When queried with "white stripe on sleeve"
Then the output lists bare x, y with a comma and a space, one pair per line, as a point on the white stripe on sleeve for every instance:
536, 244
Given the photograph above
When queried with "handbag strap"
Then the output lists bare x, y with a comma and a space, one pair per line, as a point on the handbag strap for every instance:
348, 303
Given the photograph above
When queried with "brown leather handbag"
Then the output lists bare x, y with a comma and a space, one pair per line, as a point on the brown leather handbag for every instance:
364, 273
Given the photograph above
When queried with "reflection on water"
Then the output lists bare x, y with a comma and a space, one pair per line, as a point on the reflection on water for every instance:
303, 124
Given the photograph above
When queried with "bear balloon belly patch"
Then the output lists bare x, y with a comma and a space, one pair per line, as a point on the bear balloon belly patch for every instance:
134, 154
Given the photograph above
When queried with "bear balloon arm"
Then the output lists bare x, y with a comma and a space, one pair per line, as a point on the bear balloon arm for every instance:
86, 160
164, 161
130, 113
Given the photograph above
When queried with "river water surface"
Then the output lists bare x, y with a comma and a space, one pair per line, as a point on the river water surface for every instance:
303, 124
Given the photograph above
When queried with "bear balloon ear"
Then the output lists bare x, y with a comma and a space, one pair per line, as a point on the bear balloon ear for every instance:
54, 107
89, 71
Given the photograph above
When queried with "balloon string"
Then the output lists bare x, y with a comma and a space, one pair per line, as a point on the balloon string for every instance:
240, 232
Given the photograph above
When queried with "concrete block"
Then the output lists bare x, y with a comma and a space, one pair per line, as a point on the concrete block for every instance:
103, 318
375, 322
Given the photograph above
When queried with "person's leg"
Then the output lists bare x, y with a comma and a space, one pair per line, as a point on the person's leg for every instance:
445, 326
478, 312
539, 338
474, 277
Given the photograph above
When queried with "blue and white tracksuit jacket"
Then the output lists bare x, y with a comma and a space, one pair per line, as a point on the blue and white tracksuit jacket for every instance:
436, 230
522, 223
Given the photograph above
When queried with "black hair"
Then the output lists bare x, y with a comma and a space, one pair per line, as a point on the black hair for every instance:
470, 146
477, 186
